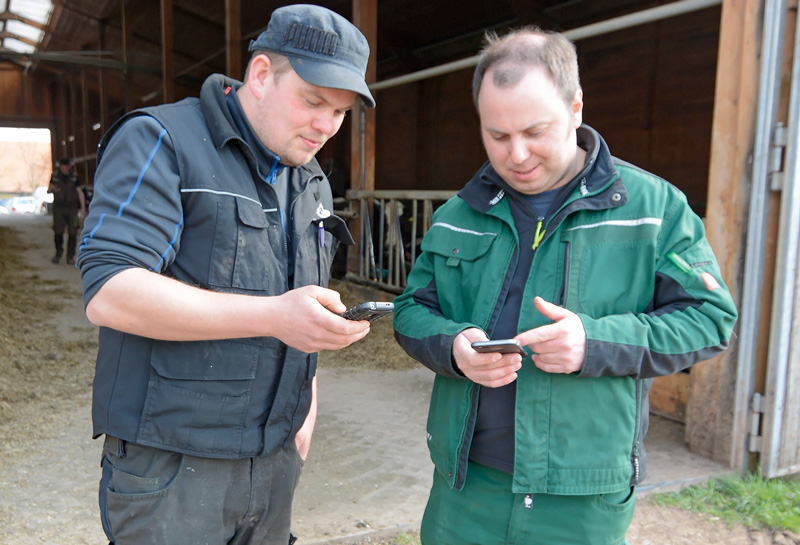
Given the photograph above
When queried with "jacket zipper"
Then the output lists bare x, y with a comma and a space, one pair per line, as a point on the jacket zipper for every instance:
562, 293
271, 179
638, 424
584, 192
460, 472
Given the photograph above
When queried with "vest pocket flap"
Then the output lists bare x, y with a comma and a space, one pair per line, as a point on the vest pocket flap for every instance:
460, 244
338, 228
251, 214
205, 360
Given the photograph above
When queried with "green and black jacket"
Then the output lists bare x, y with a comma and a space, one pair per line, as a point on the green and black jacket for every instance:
627, 254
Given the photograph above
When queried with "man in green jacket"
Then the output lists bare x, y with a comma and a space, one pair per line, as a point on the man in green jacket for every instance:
599, 269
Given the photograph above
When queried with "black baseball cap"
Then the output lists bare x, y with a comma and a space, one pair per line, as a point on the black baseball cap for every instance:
324, 48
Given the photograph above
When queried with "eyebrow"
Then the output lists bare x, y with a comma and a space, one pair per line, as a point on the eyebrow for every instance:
312, 91
525, 129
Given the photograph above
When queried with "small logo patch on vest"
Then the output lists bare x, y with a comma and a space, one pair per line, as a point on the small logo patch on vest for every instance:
311, 39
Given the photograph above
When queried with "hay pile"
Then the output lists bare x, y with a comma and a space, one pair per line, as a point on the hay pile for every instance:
41, 373
378, 350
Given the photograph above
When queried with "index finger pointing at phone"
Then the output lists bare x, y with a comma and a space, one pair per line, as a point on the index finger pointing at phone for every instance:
565, 321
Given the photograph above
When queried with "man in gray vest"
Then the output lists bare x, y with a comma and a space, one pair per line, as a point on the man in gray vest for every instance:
205, 259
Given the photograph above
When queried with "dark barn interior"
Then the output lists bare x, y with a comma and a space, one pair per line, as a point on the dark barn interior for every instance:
649, 89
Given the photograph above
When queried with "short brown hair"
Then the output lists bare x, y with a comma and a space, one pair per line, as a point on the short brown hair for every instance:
529, 46
280, 63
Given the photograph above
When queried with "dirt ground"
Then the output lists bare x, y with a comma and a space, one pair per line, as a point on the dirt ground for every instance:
368, 472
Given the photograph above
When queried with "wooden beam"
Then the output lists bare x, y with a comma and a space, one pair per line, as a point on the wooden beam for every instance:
712, 427
101, 91
127, 36
167, 60
362, 162
233, 38
84, 125
362, 120
73, 123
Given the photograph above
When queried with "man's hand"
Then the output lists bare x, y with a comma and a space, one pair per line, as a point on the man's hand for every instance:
490, 369
559, 347
303, 438
309, 320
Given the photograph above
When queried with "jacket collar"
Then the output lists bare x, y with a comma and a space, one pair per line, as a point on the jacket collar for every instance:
487, 188
221, 125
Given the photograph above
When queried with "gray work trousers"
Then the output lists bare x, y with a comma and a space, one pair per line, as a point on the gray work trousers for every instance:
149, 495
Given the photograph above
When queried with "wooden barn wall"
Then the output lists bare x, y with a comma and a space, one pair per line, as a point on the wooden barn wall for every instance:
427, 134
649, 90
23, 98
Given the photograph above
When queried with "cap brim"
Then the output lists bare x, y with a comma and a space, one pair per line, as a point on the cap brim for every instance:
327, 74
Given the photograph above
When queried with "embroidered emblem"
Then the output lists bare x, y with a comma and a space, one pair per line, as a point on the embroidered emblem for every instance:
311, 39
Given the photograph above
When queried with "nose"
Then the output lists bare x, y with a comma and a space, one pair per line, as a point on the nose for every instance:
326, 124
519, 151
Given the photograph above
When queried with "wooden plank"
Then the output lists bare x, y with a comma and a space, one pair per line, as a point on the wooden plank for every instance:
669, 396
362, 172
362, 119
167, 58
103, 99
233, 38
127, 37
712, 428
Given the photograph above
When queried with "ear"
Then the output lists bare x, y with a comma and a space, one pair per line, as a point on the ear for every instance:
577, 108
259, 75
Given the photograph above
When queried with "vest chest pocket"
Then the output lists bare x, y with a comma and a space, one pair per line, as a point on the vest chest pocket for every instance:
248, 252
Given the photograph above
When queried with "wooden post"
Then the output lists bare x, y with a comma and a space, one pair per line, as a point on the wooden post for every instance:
85, 120
712, 428
101, 44
167, 61
362, 121
233, 38
126, 44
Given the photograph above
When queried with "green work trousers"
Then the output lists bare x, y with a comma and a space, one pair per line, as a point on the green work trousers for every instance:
487, 512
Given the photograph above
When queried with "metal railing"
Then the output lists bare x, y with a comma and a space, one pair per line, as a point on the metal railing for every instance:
391, 224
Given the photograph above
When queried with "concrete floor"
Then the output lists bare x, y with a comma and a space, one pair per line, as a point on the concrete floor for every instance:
359, 478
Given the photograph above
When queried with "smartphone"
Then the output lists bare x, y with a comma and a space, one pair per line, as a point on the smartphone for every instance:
370, 311
504, 346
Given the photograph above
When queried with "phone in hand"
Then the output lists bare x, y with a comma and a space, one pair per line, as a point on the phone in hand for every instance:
504, 346
370, 311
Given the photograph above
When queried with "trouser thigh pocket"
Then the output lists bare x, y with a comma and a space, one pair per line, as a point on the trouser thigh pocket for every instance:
134, 496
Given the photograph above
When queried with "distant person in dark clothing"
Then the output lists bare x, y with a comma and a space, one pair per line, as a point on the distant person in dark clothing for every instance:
68, 201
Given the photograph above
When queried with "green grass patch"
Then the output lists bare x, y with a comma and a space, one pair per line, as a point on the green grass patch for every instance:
406, 538
752, 501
